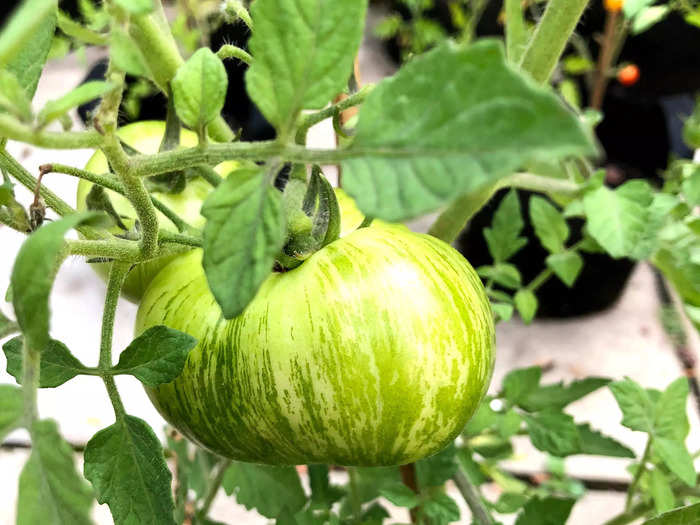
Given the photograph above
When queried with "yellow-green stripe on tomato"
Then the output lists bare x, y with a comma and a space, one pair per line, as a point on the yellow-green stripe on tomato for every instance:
146, 137
375, 351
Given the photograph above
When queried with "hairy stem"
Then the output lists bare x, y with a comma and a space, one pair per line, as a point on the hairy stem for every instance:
516, 31
13, 129
31, 361
231, 51
550, 38
637, 476
473, 499
117, 275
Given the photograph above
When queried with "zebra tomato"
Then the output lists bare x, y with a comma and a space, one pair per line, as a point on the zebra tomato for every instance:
375, 351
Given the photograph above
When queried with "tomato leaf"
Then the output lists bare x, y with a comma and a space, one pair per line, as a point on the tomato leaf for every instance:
244, 232
57, 365
80, 95
421, 152
157, 356
617, 219
597, 444
126, 55
549, 224
435, 470
199, 89
13, 97
684, 516
33, 274
303, 52
553, 432
11, 409
558, 395
566, 265
636, 405
7, 327
676, 457
671, 419
50, 488
125, 464
526, 304
25, 41
441, 509
503, 238
661, 492
518, 384
509, 503
505, 274
546, 511
253, 484
400, 495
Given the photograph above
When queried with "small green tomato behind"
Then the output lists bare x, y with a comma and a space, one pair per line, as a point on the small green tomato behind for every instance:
146, 137
375, 351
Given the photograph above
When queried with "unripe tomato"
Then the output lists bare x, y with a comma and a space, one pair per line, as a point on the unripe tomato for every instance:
375, 351
146, 137
628, 75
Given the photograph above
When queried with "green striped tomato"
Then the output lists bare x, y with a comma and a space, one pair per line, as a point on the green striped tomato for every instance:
146, 137
375, 351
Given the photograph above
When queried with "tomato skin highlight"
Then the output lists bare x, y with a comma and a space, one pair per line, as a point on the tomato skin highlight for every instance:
375, 351
146, 137
628, 75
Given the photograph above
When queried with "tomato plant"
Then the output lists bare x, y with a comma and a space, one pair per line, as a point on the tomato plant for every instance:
287, 324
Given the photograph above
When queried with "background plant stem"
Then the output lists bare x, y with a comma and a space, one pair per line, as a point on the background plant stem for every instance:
473, 499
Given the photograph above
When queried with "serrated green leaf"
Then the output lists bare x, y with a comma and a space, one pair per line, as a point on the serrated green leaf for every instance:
566, 265
50, 488
688, 515
509, 424
691, 188
244, 232
7, 327
671, 419
546, 511
549, 224
636, 405
503, 238
597, 444
125, 464
617, 219
553, 432
676, 457
33, 274
199, 89
483, 418
11, 409
136, 7
58, 365
303, 53
419, 152
157, 356
504, 274
440, 509
126, 55
13, 97
504, 311
253, 484
661, 492
509, 502
84, 93
518, 384
30, 20
558, 395
400, 495
526, 304
435, 470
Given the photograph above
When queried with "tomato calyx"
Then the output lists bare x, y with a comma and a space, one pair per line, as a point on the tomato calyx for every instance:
312, 213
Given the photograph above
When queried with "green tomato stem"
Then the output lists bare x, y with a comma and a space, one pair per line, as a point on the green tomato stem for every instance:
638, 475
311, 119
550, 38
13, 129
214, 487
236, 9
117, 276
473, 499
516, 32
31, 362
179, 238
456, 216
231, 51
354, 495
156, 42
209, 174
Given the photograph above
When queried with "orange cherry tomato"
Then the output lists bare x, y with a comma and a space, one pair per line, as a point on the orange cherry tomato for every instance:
613, 6
628, 75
